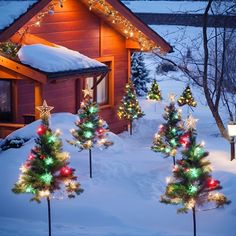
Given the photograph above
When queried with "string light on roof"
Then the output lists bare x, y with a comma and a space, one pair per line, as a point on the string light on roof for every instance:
128, 29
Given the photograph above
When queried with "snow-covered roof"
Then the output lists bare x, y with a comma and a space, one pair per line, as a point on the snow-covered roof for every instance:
55, 59
12, 10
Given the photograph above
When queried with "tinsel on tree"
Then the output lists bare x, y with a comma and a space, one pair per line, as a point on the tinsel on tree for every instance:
129, 108
192, 185
155, 92
139, 74
187, 98
91, 129
166, 140
47, 170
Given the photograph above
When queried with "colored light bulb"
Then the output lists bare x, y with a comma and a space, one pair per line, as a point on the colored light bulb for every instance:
49, 161
65, 171
47, 178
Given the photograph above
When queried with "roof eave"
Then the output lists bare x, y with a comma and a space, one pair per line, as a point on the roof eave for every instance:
119, 6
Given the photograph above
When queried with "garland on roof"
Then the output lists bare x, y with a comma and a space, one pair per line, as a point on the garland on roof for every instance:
129, 30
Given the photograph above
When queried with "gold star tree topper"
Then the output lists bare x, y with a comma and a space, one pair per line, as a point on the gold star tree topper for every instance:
88, 92
191, 122
44, 109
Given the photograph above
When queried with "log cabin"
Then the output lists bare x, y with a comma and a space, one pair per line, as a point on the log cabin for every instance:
101, 34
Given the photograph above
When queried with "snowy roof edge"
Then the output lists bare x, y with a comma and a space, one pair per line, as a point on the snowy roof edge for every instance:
11, 29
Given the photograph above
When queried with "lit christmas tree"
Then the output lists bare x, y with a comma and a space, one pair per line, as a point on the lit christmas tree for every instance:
187, 98
155, 92
139, 74
192, 185
47, 168
166, 140
91, 129
129, 108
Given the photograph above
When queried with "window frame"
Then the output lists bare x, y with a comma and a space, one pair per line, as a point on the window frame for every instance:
109, 61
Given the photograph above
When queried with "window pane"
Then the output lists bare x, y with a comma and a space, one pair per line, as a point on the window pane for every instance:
102, 91
5, 101
89, 82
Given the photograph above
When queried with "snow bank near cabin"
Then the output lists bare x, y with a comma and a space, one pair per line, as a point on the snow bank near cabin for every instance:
11, 10
55, 59
63, 121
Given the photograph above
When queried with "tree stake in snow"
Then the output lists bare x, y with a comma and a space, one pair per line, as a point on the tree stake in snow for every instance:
46, 169
91, 129
129, 108
192, 185
166, 140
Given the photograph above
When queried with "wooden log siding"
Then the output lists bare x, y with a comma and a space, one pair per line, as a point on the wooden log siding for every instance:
77, 28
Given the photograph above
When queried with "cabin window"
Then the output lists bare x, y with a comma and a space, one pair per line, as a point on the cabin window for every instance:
103, 93
5, 101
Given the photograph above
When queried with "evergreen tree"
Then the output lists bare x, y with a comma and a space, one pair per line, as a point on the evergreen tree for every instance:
47, 168
187, 98
166, 140
155, 92
91, 129
139, 74
129, 108
192, 185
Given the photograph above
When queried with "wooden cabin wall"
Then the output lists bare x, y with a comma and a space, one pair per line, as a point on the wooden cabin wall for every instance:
77, 28
25, 99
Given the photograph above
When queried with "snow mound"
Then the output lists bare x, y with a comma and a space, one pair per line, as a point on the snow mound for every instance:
55, 59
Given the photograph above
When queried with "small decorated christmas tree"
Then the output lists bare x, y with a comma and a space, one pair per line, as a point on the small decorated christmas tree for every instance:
155, 92
187, 98
129, 108
47, 168
192, 185
166, 140
139, 74
91, 129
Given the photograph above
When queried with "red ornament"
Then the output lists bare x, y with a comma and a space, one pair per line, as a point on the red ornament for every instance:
31, 157
184, 140
100, 131
27, 164
41, 130
212, 183
42, 157
65, 171
186, 169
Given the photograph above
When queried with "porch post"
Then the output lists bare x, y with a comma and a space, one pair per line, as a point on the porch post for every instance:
37, 98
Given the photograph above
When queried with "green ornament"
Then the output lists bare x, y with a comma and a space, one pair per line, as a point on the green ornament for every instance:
52, 139
49, 161
88, 125
88, 134
194, 172
192, 189
198, 152
93, 109
29, 189
47, 178
173, 142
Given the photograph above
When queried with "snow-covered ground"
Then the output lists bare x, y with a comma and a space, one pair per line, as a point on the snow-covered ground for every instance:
123, 197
